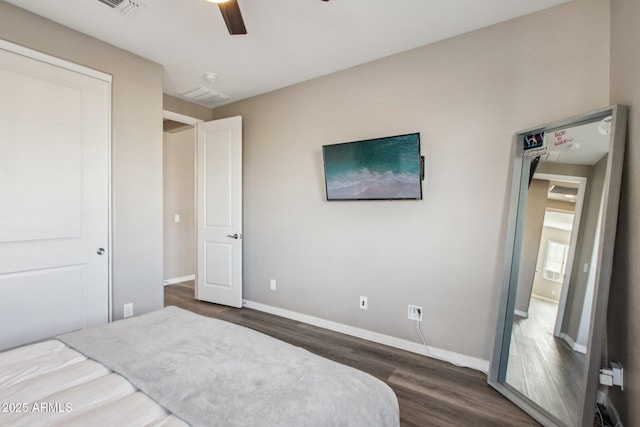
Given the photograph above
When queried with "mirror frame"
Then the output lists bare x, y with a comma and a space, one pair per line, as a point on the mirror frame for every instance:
605, 244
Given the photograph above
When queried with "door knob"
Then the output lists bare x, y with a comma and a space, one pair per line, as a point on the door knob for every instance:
233, 236
100, 251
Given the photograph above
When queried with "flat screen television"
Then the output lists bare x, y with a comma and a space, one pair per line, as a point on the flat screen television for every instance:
389, 168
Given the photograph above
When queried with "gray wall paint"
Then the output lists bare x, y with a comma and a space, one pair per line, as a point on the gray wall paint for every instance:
136, 150
179, 198
624, 304
466, 96
533, 224
584, 249
584, 244
189, 109
473, 89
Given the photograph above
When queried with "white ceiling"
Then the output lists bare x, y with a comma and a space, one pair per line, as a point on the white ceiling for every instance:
288, 41
579, 145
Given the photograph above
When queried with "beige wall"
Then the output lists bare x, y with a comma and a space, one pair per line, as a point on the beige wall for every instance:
179, 198
559, 205
531, 235
624, 305
578, 284
136, 150
189, 109
179, 187
466, 96
586, 235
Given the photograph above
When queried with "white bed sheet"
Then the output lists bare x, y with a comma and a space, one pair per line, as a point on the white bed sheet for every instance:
50, 384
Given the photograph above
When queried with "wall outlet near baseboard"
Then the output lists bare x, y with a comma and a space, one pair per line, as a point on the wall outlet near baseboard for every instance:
364, 304
272, 284
414, 312
128, 310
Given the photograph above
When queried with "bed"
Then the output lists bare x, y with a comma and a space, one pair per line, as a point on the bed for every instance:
172, 368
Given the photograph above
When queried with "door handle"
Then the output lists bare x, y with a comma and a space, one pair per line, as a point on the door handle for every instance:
235, 236
100, 251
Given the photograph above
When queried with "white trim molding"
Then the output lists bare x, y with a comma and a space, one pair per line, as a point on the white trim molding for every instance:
54, 60
180, 118
540, 297
574, 346
181, 279
433, 352
524, 314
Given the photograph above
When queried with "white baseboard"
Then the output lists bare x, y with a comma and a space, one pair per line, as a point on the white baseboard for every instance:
540, 297
575, 346
177, 280
524, 314
436, 353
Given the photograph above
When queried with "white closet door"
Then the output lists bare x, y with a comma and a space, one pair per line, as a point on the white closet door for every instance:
54, 199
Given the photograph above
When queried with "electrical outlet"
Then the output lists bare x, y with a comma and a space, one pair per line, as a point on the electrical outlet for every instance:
414, 312
128, 310
272, 284
363, 303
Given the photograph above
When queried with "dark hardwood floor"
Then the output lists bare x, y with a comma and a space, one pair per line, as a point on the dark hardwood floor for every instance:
430, 392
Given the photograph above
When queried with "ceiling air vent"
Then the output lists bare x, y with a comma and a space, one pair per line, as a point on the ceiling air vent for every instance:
568, 191
206, 96
125, 7
111, 3
129, 7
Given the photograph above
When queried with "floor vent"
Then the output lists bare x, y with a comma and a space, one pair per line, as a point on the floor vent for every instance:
206, 96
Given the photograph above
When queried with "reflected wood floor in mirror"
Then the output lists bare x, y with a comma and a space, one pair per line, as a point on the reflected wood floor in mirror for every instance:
544, 367
430, 392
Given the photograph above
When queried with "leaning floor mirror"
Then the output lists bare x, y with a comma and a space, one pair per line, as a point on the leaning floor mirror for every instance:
558, 260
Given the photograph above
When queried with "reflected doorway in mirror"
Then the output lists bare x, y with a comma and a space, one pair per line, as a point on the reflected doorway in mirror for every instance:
539, 359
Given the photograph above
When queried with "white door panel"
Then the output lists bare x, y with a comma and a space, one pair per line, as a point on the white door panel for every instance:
219, 264
219, 185
46, 173
54, 199
56, 289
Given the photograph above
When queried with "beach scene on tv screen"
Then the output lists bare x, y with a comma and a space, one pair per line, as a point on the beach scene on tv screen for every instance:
377, 169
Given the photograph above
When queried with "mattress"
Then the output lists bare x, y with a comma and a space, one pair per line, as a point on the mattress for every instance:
50, 384
173, 367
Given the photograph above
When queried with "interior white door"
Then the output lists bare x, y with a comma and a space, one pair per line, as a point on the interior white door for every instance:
219, 194
54, 199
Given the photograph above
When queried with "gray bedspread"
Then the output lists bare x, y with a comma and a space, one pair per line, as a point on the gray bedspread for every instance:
214, 373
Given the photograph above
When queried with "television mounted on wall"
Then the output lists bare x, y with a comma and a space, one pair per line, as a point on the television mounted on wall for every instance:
389, 168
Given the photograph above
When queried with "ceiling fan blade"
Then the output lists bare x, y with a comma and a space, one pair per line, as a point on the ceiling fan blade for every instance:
232, 17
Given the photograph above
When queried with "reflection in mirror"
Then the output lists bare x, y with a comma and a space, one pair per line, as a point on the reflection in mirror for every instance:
546, 356
563, 187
